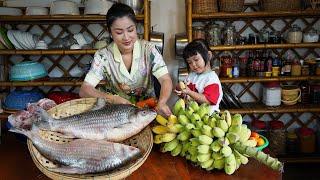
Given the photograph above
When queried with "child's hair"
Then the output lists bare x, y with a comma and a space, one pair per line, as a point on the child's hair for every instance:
119, 10
197, 46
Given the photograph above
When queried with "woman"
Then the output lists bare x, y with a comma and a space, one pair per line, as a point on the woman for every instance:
127, 64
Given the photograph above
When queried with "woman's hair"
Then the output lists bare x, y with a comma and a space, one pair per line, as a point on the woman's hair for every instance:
197, 46
119, 10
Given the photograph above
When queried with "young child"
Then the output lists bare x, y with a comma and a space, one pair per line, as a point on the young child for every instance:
202, 84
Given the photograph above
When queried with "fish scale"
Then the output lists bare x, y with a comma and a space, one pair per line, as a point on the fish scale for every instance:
98, 156
115, 123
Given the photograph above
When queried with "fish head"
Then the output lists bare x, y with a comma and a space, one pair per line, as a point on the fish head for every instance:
127, 151
143, 116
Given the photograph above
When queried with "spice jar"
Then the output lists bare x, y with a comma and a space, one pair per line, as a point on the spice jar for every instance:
277, 137
292, 143
213, 34
260, 127
296, 68
198, 32
307, 140
294, 34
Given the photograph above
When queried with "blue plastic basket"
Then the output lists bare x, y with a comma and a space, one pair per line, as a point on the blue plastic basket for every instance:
17, 100
27, 71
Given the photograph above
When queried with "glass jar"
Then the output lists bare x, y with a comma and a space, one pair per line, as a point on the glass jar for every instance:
296, 68
307, 140
292, 143
213, 34
263, 36
305, 92
294, 34
277, 137
198, 32
229, 35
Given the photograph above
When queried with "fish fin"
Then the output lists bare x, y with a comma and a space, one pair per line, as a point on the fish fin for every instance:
101, 103
69, 170
122, 125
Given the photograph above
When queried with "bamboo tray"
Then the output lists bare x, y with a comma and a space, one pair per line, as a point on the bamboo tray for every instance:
143, 141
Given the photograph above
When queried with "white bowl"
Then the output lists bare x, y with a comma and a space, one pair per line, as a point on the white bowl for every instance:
97, 7
64, 8
10, 11
36, 10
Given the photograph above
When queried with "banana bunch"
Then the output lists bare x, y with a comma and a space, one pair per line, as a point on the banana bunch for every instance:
212, 141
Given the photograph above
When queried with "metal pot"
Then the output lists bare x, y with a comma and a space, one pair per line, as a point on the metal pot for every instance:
182, 74
181, 41
158, 39
136, 5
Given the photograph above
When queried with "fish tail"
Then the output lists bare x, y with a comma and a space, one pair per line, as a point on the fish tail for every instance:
21, 131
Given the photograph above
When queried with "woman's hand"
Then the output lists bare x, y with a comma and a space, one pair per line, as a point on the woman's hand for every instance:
163, 109
115, 99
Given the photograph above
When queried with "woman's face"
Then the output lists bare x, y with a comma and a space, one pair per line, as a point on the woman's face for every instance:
197, 64
124, 33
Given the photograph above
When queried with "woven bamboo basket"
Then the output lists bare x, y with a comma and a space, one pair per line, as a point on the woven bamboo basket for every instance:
204, 6
143, 141
280, 5
231, 5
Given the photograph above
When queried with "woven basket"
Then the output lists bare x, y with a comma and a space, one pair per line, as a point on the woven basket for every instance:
143, 141
231, 5
280, 5
204, 6
290, 94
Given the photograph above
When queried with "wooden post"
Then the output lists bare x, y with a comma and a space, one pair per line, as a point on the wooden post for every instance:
189, 19
146, 18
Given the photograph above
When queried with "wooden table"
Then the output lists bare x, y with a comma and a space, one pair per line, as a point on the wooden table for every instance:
16, 163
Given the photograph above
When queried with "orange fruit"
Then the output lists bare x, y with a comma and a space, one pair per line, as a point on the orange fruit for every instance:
252, 138
255, 135
260, 142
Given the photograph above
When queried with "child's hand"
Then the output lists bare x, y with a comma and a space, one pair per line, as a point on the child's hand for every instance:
182, 92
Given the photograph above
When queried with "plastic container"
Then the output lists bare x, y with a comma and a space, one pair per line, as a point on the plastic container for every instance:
260, 127
307, 140
27, 70
17, 100
277, 137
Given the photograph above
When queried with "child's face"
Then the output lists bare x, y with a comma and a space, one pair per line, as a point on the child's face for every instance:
197, 64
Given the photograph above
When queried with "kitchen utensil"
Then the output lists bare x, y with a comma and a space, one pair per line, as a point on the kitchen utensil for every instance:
34, 10
64, 7
17, 100
97, 6
10, 11
27, 70
181, 41
158, 39
136, 5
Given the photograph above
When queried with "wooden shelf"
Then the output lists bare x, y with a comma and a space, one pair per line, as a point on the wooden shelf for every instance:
264, 46
268, 79
255, 15
83, 19
71, 81
47, 52
255, 108
4, 116
46, 82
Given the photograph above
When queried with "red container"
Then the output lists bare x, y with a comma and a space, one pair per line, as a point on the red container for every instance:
60, 97
307, 140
